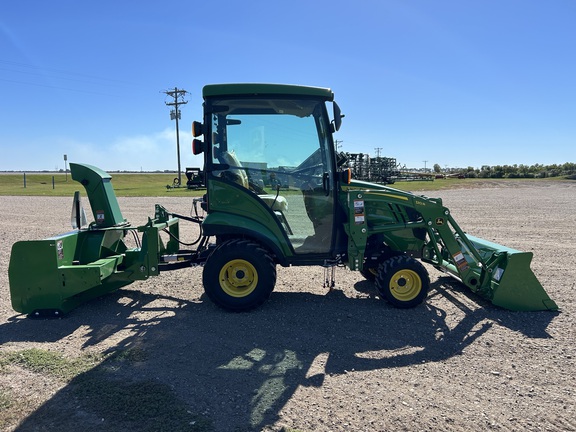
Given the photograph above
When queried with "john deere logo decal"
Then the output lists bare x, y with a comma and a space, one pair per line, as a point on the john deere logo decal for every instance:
439, 221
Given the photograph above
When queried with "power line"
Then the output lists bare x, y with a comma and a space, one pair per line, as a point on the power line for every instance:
178, 96
59, 79
26, 68
60, 88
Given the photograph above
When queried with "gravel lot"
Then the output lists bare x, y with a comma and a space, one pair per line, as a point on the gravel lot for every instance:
310, 360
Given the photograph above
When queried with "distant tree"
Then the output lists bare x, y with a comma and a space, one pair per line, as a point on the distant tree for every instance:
497, 172
485, 172
569, 168
513, 171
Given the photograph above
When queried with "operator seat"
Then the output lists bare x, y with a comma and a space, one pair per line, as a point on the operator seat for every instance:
277, 203
237, 174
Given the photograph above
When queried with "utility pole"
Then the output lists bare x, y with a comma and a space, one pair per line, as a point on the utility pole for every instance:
178, 96
378, 151
425, 165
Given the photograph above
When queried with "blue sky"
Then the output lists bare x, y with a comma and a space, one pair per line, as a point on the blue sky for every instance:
457, 83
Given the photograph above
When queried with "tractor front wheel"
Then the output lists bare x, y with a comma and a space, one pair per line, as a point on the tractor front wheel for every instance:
239, 275
402, 281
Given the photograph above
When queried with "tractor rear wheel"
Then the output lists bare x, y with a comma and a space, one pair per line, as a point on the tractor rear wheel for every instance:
369, 273
402, 281
239, 275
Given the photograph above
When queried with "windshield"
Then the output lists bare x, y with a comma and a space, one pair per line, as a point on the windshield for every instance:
272, 134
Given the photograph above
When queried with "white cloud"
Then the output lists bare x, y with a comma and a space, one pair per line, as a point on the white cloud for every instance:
152, 152
127, 153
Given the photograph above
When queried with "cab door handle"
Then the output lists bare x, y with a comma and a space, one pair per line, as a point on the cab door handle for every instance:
326, 183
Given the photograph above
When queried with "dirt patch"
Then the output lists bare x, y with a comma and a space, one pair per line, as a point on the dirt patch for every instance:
309, 359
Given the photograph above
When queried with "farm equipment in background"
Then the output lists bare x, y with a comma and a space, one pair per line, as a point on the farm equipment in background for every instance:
195, 178
377, 169
276, 195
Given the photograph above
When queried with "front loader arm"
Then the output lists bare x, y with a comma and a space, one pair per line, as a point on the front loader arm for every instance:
423, 227
500, 274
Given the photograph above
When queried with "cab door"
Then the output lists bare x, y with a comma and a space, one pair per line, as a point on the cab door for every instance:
280, 150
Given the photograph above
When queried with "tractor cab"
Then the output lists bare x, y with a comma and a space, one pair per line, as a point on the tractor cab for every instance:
270, 168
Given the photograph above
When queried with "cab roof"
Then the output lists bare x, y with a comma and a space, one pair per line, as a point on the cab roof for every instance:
254, 89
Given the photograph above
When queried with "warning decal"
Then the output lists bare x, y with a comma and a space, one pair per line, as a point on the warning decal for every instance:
359, 212
100, 217
461, 262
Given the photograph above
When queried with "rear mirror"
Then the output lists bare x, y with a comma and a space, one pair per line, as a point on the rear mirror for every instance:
337, 122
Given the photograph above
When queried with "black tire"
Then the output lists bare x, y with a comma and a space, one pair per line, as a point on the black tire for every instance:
402, 281
370, 270
239, 275
369, 273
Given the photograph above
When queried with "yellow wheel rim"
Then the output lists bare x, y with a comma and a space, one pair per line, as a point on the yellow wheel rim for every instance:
238, 278
405, 285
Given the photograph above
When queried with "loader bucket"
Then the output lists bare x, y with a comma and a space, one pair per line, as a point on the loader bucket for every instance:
512, 284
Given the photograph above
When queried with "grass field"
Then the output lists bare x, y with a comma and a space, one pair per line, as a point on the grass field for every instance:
151, 184
60, 184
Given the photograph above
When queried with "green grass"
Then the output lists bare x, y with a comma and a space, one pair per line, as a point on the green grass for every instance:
151, 184
43, 363
5, 401
9, 409
97, 387
133, 185
153, 406
51, 363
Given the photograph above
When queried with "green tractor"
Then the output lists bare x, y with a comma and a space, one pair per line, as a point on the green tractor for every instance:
275, 195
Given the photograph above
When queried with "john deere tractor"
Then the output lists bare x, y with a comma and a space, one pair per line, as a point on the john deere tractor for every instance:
275, 195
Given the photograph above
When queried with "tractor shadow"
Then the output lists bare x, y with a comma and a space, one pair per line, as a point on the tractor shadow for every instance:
213, 370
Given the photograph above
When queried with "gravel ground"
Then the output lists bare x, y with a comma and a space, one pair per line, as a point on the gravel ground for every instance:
311, 360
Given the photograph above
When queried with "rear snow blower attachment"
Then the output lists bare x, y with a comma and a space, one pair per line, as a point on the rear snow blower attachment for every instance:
50, 277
